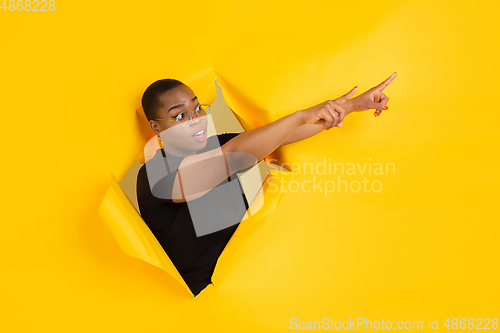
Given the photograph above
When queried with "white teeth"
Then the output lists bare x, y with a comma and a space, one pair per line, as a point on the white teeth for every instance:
200, 133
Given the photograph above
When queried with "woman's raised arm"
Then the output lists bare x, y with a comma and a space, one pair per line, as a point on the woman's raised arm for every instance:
199, 173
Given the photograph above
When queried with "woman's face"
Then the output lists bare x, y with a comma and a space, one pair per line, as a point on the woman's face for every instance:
179, 140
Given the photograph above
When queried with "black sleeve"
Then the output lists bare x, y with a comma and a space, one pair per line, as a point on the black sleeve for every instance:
225, 137
147, 194
156, 212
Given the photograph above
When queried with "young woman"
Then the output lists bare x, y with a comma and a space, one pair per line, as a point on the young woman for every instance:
200, 169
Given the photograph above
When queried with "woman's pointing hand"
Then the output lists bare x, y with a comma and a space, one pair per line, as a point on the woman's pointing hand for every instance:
371, 99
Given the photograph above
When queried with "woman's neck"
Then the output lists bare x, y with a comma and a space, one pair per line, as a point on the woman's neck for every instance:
178, 153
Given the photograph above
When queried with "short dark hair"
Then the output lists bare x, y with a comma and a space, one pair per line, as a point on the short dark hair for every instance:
150, 102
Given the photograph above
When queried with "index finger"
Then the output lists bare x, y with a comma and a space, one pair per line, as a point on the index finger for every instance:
384, 84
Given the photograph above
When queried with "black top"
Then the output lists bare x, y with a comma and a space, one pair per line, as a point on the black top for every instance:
171, 223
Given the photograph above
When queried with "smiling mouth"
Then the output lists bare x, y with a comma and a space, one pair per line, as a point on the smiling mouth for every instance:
199, 134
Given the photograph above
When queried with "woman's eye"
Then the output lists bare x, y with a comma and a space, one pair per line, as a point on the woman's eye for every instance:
180, 116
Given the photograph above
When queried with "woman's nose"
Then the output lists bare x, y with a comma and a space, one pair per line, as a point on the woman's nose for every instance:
194, 119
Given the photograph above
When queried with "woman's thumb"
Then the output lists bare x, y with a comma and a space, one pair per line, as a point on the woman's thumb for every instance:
347, 96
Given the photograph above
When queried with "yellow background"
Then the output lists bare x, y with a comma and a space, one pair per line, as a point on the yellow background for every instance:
424, 247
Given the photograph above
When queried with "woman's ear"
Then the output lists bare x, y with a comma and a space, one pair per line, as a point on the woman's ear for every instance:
155, 127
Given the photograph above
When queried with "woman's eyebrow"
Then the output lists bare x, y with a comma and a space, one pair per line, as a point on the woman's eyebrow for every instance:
181, 105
